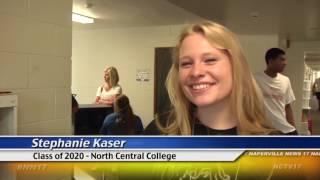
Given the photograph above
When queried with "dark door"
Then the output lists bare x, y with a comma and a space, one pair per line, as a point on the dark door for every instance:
163, 63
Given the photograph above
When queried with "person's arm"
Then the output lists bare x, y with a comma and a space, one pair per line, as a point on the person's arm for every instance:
289, 98
98, 95
108, 101
111, 99
289, 115
97, 100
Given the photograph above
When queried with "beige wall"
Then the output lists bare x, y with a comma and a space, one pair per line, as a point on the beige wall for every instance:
35, 51
131, 49
255, 47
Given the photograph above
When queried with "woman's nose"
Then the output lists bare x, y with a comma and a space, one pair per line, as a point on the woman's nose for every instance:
197, 70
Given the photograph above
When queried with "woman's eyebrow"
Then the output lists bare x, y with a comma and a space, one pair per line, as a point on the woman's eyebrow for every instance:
207, 54
185, 57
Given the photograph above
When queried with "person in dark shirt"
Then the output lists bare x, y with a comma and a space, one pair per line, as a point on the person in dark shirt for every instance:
122, 121
211, 88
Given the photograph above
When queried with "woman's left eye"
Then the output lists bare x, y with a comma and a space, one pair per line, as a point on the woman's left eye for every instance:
210, 60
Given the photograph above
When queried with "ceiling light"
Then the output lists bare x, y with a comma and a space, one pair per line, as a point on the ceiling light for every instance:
81, 18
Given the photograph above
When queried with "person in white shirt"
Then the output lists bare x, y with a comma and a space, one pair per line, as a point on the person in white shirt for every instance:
107, 93
277, 91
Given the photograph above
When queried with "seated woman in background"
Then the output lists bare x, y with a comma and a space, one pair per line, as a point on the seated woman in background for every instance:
211, 88
107, 92
122, 121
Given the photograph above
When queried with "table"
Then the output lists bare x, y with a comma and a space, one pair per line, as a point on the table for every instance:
89, 118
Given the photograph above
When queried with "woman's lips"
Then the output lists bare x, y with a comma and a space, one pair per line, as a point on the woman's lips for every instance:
200, 87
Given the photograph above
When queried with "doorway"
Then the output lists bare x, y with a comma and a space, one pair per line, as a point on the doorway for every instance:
310, 101
163, 61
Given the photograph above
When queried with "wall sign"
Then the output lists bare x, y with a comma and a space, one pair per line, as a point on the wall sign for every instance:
143, 75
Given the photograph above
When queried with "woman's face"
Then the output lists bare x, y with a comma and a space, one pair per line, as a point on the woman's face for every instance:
107, 75
205, 72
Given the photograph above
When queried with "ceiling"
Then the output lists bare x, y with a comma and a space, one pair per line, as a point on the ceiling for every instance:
298, 20
131, 13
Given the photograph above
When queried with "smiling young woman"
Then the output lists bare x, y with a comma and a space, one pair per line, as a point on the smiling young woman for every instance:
210, 86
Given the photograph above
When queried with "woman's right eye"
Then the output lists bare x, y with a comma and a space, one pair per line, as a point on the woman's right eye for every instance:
210, 60
185, 64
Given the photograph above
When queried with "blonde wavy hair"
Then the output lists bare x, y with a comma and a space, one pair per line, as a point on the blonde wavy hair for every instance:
114, 76
246, 98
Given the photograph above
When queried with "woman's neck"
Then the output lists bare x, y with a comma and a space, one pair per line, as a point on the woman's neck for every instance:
106, 85
217, 116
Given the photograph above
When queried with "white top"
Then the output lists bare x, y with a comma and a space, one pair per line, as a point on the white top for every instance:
277, 94
103, 94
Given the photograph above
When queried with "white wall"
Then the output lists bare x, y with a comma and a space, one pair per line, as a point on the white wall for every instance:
131, 49
255, 47
295, 71
35, 51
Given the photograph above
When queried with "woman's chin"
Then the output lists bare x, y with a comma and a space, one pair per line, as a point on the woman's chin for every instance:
203, 103
206, 102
